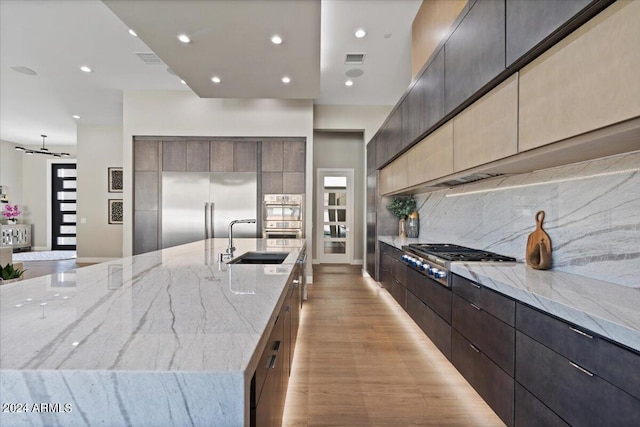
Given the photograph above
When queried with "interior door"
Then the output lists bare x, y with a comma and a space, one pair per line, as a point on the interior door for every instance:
334, 235
63, 206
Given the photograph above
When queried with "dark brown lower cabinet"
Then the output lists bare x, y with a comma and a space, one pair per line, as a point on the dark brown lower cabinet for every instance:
436, 328
399, 293
578, 396
493, 384
530, 412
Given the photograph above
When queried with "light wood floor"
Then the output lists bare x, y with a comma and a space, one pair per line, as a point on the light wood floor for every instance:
361, 361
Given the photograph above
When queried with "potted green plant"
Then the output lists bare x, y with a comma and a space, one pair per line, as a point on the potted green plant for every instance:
10, 274
401, 207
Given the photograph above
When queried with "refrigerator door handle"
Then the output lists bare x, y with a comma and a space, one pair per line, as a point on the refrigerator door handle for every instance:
207, 219
211, 219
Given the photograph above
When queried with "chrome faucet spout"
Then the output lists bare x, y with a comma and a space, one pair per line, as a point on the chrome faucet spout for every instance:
231, 248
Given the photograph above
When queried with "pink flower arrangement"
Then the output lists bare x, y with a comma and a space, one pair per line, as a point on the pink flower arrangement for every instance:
11, 212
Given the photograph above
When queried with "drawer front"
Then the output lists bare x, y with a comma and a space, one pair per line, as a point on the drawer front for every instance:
400, 271
580, 398
530, 412
615, 364
430, 292
494, 385
399, 293
392, 251
385, 279
387, 262
492, 336
438, 331
271, 349
499, 306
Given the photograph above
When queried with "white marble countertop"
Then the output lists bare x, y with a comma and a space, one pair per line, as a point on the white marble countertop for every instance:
610, 310
174, 311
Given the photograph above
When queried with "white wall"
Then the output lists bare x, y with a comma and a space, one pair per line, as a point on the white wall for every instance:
365, 118
182, 113
11, 172
34, 192
99, 147
343, 150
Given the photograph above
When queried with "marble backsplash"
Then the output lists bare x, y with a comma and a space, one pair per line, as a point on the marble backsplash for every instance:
592, 216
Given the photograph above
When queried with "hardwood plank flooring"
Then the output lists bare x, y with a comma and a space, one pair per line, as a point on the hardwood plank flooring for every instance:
361, 361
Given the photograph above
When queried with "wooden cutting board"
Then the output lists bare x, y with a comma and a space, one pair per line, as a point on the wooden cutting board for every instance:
538, 253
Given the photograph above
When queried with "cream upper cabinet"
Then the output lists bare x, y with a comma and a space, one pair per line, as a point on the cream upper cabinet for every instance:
393, 177
589, 80
488, 129
432, 157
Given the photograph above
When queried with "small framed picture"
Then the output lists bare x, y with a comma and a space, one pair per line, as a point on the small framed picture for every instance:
116, 213
115, 180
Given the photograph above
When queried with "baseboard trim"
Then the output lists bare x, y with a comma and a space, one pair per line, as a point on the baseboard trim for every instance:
40, 248
93, 260
357, 262
309, 280
364, 273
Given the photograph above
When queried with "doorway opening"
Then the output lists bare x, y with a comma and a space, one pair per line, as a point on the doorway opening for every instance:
334, 213
63, 206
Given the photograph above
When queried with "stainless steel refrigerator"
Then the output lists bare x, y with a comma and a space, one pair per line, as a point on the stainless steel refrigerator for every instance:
198, 205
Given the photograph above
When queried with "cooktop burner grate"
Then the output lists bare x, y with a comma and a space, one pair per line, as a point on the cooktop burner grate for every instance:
450, 252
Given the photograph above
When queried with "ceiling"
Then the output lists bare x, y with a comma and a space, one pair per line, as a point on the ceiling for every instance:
55, 37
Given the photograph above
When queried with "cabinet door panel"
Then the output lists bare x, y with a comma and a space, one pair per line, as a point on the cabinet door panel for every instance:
198, 156
430, 292
245, 156
578, 397
294, 156
174, 156
145, 231
583, 347
530, 412
371, 156
493, 337
430, 88
272, 153
271, 182
475, 52
488, 129
560, 99
432, 157
399, 293
146, 155
494, 385
530, 22
146, 191
433, 325
221, 156
293, 182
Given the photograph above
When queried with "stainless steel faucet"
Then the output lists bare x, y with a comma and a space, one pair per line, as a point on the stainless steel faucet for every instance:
231, 248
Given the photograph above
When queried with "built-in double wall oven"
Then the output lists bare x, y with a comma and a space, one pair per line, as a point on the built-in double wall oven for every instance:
283, 216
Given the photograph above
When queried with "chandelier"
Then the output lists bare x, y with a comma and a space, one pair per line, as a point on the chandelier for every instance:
42, 150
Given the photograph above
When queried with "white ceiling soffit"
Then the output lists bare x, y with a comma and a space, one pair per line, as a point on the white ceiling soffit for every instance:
54, 38
232, 40
386, 70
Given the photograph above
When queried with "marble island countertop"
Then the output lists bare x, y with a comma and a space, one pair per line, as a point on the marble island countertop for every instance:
611, 310
160, 329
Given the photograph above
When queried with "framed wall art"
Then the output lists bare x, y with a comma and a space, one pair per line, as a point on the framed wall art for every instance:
116, 213
115, 180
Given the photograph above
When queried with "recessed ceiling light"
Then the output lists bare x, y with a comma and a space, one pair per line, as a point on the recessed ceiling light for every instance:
184, 38
24, 70
276, 39
183, 82
86, 69
360, 33
133, 33
215, 79
348, 83
286, 80
75, 116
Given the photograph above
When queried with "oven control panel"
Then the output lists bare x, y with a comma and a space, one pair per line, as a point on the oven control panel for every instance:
428, 268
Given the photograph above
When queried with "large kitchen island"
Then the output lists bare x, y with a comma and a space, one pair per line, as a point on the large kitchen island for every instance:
171, 337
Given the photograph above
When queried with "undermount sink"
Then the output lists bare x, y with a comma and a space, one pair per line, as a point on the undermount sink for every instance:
260, 258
